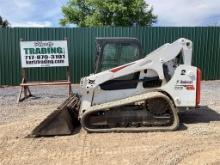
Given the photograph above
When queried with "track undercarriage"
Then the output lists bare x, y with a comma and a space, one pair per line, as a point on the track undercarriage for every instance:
146, 112
130, 116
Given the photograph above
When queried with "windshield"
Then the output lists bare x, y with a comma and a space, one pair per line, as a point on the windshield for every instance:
116, 54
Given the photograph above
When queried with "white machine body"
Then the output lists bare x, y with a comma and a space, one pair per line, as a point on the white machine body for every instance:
178, 81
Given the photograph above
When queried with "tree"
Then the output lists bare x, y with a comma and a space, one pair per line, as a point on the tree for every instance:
3, 23
89, 13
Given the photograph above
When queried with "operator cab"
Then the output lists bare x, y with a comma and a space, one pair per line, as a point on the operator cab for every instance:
112, 52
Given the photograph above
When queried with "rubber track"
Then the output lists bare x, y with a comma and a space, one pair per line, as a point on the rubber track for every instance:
129, 100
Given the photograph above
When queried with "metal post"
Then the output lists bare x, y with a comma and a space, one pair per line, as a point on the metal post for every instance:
69, 80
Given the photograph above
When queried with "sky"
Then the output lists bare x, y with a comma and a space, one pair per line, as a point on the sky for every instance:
32, 13
186, 12
46, 13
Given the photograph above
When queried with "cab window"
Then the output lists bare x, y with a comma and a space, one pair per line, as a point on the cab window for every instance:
118, 54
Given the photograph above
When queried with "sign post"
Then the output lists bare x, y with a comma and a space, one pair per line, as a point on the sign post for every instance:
35, 54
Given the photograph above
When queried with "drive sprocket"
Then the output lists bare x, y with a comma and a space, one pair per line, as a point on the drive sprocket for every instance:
157, 106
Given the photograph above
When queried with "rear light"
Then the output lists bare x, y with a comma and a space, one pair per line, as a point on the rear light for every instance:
198, 86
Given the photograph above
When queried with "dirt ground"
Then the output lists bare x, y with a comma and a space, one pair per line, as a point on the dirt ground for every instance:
196, 142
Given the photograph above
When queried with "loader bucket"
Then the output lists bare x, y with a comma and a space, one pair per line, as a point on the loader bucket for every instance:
59, 122
62, 121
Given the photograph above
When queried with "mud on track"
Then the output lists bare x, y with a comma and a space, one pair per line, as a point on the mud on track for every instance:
196, 142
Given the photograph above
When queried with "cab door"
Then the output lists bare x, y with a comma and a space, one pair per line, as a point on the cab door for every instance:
116, 52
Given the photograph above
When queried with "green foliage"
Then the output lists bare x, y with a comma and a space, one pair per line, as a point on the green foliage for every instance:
3, 23
89, 13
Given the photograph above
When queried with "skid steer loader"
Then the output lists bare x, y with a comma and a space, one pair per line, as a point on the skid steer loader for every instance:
129, 92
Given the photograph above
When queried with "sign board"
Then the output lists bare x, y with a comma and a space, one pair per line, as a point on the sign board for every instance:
43, 53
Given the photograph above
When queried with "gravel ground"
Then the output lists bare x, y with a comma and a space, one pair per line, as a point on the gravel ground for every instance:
196, 142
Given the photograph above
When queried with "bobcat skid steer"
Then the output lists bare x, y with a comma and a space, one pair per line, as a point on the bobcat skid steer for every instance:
129, 92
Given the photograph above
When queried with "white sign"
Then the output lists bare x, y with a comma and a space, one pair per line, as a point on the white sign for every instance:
43, 54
